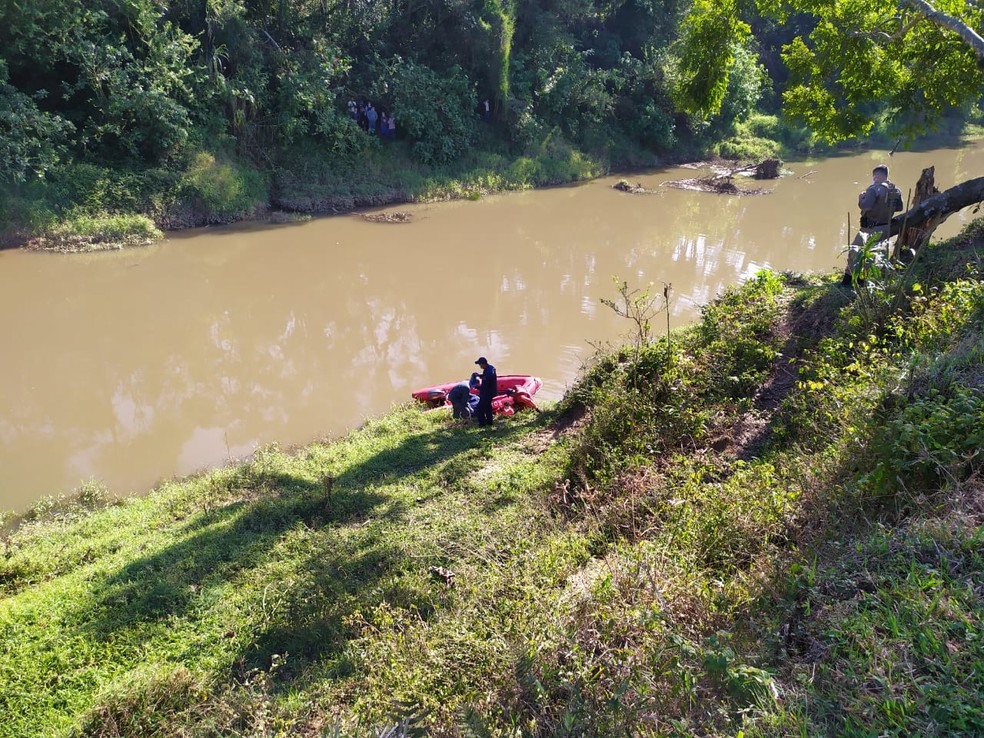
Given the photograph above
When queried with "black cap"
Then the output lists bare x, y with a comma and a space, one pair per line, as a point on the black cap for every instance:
482, 360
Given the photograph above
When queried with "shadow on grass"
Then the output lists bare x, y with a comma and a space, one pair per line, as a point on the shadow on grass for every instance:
369, 567
808, 327
348, 525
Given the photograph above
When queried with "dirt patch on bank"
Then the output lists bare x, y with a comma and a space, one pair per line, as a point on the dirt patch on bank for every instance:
568, 423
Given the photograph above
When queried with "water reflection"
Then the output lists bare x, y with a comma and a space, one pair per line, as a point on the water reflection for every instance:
133, 366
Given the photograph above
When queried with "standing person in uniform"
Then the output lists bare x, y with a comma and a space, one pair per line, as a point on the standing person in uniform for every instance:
486, 392
878, 203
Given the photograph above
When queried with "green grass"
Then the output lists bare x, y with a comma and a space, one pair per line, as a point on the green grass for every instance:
92, 232
770, 527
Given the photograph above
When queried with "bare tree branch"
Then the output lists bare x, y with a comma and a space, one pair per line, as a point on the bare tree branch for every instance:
889, 37
968, 34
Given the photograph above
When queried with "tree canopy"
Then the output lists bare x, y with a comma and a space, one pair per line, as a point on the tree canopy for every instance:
855, 62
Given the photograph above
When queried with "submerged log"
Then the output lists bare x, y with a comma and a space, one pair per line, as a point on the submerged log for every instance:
625, 186
397, 217
723, 184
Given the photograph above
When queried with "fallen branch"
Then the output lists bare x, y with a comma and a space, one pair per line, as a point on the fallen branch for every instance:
932, 211
626, 186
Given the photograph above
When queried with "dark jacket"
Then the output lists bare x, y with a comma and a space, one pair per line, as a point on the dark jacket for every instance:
460, 398
879, 203
490, 383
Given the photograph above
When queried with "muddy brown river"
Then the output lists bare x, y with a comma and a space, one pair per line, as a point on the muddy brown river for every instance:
129, 367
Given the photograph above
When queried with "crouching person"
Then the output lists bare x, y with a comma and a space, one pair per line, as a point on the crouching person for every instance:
463, 402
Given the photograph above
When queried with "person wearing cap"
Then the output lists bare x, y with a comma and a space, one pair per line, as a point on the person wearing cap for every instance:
486, 392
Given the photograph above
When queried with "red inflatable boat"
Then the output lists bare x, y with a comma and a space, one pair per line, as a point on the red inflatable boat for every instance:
514, 392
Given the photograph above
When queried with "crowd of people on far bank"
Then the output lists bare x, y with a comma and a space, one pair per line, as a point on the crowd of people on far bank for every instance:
383, 124
376, 123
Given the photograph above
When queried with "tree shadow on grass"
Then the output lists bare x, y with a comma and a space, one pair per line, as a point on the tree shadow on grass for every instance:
344, 518
370, 567
805, 329
219, 545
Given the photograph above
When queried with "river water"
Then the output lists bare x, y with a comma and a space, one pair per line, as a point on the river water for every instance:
129, 367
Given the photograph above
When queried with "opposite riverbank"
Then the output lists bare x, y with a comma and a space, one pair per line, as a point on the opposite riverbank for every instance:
83, 207
108, 209
770, 523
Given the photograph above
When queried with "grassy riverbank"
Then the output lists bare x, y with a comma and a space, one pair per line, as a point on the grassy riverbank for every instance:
87, 207
772, 523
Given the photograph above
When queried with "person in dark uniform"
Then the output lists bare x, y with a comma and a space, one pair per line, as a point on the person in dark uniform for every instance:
463, 402
878, 203
458, 397
473, 399
486, 392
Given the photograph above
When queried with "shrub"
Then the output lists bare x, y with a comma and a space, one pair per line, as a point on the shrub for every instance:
748, 149
31, 141
933, 440
85, 187
223, 189
435, 110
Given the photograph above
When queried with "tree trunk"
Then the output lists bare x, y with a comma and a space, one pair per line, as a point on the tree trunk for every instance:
929, 213
914, 237
768, 169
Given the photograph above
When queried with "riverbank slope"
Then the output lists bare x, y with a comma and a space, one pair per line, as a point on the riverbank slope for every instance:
771, 523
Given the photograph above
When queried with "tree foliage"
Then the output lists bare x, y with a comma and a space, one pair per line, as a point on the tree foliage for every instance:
117, 71
863, 60
437, 111
855, 63
142, 83
712, 34
31, 140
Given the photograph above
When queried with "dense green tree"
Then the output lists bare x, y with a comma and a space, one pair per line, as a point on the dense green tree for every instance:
864, 59
902, 60
117, 71
435, 110
713, 32
139, 82
140, 85
31, 140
